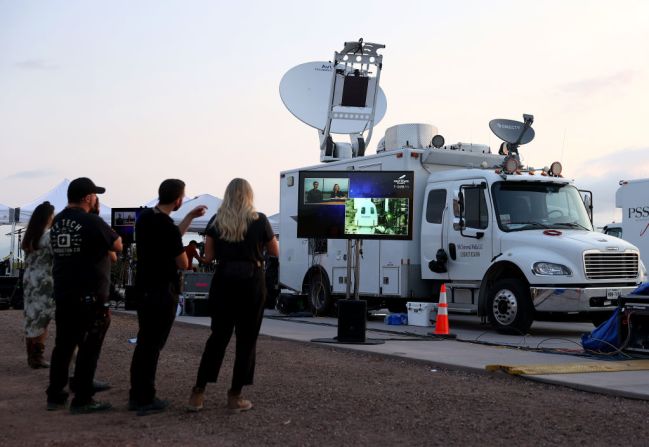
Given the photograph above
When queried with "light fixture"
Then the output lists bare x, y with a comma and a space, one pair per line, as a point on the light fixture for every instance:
438, 141
555, 169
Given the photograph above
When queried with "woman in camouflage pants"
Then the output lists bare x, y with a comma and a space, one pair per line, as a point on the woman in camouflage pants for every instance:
37, 283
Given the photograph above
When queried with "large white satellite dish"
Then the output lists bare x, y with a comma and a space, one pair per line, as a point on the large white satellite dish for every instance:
305, 89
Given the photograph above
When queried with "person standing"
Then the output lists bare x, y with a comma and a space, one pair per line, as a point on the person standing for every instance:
236, 238
38, 286
192, 253
160, 255
80, 242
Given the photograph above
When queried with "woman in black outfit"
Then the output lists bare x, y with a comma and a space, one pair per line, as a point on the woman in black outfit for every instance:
236, 239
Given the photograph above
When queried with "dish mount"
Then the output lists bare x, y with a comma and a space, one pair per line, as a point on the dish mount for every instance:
341, 97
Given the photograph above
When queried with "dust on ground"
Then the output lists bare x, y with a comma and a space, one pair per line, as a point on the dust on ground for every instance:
308, 395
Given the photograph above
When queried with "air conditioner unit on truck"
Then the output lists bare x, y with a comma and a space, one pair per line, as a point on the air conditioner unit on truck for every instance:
633, 197
508, 241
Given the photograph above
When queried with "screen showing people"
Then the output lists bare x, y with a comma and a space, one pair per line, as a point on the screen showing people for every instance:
123, 222
320, 189
351, 205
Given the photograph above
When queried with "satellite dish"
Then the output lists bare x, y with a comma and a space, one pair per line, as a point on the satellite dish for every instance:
305, 89
510, 131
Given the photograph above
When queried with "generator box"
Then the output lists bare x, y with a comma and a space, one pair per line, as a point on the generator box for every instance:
196, 283
421, 314
633, 324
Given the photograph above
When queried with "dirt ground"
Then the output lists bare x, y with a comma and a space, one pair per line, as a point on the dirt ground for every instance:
309, 395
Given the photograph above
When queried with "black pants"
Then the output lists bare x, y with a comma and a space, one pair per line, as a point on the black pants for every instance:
83, 324
235, 305
156, 312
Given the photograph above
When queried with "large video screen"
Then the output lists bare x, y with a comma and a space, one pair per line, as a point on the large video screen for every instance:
355, 204
123, 222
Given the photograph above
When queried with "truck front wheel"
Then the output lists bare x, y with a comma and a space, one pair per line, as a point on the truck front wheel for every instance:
509, 306
319, 293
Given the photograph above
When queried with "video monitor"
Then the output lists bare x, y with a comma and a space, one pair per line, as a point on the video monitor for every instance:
123, 222
355, 204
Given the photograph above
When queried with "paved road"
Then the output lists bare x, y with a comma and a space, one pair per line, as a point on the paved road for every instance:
492, 348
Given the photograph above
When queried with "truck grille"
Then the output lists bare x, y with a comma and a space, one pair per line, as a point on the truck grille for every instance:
611, 265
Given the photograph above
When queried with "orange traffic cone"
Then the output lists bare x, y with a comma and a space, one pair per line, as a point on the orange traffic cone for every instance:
441, 324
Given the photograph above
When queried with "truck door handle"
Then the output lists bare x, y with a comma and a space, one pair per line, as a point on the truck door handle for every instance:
451, 251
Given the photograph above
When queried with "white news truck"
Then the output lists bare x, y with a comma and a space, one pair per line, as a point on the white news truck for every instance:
507, 245
508, 242
633, 197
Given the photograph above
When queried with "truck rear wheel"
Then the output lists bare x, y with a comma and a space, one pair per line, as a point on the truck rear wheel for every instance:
317, 288
509, 306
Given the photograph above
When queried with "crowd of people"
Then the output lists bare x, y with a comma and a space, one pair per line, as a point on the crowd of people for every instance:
67, 278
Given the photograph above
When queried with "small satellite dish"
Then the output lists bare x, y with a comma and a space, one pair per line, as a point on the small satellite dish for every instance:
305, 89
510, 131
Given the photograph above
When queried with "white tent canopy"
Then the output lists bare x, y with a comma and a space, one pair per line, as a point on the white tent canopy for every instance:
57, 196
4, 214
198, 225
274, 223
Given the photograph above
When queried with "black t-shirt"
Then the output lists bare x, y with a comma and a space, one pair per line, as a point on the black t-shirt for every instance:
313, 196
80, 242
251, 248
159, 242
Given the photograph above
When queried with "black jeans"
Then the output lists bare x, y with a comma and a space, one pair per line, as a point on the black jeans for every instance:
156, 312
235, 305
79, 323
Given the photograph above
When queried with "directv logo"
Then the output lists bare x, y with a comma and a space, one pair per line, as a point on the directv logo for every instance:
508, 126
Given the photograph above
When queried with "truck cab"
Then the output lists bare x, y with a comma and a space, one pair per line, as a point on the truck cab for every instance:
519, 244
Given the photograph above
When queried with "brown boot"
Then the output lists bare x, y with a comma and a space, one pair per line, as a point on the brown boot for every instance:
35, 350
237, 404
196, 399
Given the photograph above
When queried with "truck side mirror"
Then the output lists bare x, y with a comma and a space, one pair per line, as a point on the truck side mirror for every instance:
587, 198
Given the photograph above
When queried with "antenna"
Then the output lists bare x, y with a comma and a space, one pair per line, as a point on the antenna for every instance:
341, 97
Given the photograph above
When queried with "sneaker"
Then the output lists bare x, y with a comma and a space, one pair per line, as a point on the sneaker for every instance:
91, 407
54, 406
97, 385
157, 406
196, 399
237, 404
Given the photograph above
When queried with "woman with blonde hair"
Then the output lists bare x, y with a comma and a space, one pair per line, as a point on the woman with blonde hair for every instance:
236, 238
38, 286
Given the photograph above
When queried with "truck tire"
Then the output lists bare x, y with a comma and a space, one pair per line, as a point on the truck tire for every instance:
319, 292
509, 306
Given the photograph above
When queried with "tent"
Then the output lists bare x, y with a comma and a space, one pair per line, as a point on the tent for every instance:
57, 196
274, 223
4, 214
198, 225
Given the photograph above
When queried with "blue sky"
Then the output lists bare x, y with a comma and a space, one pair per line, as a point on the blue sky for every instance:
129, 93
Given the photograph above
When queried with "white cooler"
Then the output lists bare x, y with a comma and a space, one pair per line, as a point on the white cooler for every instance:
421, 314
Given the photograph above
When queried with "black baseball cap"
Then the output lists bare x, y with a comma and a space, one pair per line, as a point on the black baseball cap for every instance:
81, 187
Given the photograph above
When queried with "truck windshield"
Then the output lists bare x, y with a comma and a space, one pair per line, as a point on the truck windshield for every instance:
529, 206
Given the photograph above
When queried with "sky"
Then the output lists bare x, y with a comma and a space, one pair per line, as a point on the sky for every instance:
130, 93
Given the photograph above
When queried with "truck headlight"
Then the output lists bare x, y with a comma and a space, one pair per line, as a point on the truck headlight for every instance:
550, 269
643, 272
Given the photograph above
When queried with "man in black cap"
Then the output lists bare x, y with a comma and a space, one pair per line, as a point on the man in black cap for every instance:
81, 242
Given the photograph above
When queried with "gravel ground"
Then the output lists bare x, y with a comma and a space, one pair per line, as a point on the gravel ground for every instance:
307, 394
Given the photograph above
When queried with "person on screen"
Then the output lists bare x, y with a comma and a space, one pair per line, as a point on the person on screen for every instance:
336, 193
315, 194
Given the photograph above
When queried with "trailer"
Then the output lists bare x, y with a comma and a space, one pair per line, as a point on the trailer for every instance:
633, 197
